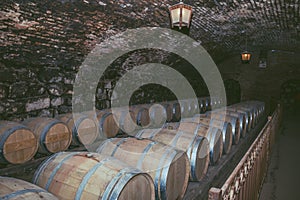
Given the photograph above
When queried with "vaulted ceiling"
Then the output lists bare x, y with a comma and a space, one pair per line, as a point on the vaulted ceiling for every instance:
65, 29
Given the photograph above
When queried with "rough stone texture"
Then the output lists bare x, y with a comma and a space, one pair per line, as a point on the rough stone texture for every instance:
39, 104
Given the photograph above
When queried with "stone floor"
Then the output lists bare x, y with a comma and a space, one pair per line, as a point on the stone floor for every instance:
283, 176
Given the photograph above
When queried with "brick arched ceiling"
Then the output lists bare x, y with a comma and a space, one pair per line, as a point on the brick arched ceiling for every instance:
53, 31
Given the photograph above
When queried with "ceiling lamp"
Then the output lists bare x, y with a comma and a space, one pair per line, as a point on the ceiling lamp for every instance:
181, 15
246, 55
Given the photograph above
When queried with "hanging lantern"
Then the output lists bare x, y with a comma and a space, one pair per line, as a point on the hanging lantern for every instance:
246, 57
181, 15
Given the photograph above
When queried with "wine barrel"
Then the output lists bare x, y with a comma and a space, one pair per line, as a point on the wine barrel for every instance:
250, 112
168, 166
169, 111
213, 135
17, 143
196, 147
184, 108
141, 115
84, 129
202, 105
125, 120
53, 135
176, 111
157, 114
245, 113
12, 188
224, 127
234, 121
107, 124
84, 175
243, 119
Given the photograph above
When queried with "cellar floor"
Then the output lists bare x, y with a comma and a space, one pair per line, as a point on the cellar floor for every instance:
282, 180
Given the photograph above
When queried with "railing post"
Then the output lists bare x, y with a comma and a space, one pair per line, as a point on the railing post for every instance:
215, 194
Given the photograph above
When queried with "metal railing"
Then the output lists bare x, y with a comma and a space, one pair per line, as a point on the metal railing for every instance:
245, 182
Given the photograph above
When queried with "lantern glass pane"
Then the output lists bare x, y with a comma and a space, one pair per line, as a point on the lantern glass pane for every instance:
186, 15
175, 15
246, 56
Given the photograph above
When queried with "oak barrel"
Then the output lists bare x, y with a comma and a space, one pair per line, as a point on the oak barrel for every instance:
242, 118
12, 188
224, 127
107, 124
17, 143
169, 110
247, 115
235, 122
52, 134
196, 147
157, 114
84, 129
168, 166
176, 111
213, 135
84, 175
125, 120
141, 115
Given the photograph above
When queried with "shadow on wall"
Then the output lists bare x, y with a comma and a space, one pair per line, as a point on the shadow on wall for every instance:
233, 91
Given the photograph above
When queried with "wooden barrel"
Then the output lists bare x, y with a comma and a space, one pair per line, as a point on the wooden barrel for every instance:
234, 121
207, 103
141, 115
250, 112
196, 147
169, 111
107, 124
213, 135
168, 166
157, 114
247, 115
17, 143
194, 107
202, 105
84, 175
225, 128
52, 135
242, 118
125, 120
176, 111
84, 129
185, 108
12, 188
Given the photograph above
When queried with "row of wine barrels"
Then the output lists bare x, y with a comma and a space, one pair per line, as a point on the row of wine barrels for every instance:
84, 175
242, 118
52, 135
224, 127
12, 188
213, 135
196, 147
168, 166
235, 123
18, 144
